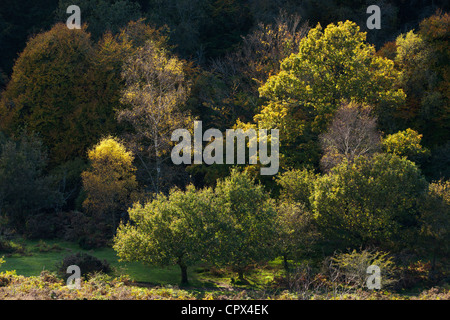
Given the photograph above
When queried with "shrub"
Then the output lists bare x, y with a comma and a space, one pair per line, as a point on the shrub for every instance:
6, 278
8, 246
88, 265
44, 247
414, 274
435, 219
84, 230
41, 226
350, 268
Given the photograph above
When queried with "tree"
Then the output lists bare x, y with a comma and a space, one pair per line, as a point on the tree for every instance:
241, 72
422, 59
155, 91
439, 166
47, 91
297, 185
169, 230
25, 190
332, 65
18, 21
296, 232
406, 144
351, 134
66, 88
201, 29
435, 220
246, 223
371, 201
109, 182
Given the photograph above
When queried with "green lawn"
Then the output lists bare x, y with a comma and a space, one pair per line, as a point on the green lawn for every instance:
32, 263
35, 261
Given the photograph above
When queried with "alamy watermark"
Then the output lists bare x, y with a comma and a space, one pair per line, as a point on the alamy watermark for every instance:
374, 280
74, 21
374, 21
213, 153
74, 281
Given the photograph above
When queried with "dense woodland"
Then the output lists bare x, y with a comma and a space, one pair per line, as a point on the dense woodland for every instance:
86, 117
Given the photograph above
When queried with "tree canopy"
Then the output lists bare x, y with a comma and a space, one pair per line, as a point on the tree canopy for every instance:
332, 65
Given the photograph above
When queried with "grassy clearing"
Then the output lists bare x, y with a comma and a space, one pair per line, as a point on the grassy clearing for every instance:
28, 281
45, 255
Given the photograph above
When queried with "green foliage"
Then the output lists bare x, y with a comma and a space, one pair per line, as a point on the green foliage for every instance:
232, 225
435, 219
406, 144
246, 222
11, 247
297, 186
87, 263
422, 59
296, 232
168, 230
25, 190
370, 202
332, 65
232, 85
72, 87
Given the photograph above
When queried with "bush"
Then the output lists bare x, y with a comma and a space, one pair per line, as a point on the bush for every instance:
350, 268
10, 247
42, 246
41, 226
84, 230
414, 274
88, 265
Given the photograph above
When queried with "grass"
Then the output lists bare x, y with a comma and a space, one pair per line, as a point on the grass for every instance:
151, 282
44, 255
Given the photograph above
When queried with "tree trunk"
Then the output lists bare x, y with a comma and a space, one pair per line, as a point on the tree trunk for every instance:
157, 164
241, 275
184, 276
285, 263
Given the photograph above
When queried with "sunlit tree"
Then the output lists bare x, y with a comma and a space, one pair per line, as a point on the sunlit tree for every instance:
154, 94
170, 230
332, 64
109, 182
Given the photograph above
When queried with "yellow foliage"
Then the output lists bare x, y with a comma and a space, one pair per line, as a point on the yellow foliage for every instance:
110, 180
